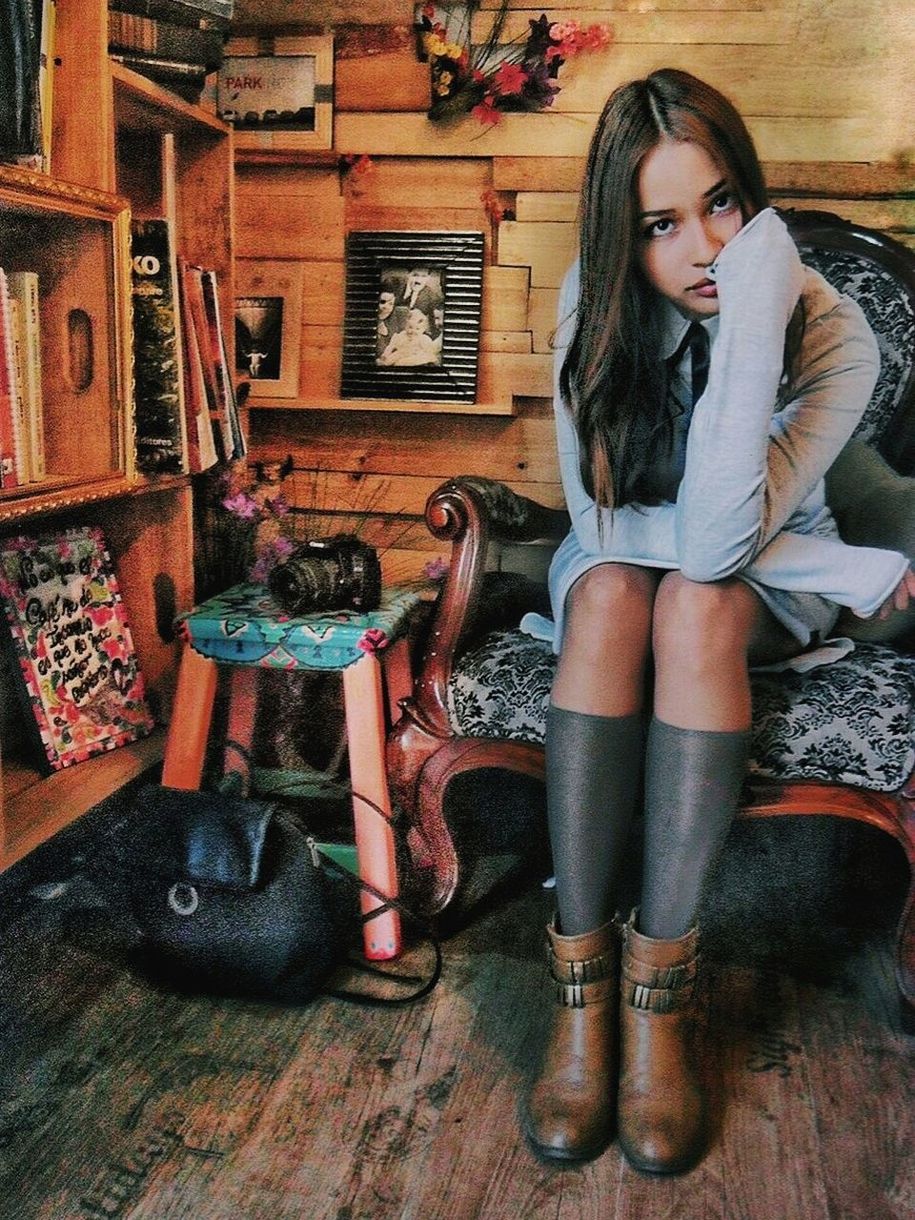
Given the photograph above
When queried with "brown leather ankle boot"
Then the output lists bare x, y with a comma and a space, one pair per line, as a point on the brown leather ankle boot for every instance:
571, 1106
660, 1104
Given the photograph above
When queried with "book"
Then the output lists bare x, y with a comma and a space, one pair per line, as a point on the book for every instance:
197, 319
227, 402
198, 14
20, 112
8, 390
46, 34
23, 289
161, 39
159, 410
20, 428
201, 444
79, 672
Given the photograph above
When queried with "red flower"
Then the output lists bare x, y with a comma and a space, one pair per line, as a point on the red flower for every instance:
486, 112
429, 11
510, 78
496, 212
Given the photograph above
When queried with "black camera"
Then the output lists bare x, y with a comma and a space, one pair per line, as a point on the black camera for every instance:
338, 573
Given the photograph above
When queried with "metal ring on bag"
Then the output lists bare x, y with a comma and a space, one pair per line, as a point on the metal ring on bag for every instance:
183, 899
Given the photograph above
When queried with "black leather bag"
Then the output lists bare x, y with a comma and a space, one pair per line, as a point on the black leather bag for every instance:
233, 898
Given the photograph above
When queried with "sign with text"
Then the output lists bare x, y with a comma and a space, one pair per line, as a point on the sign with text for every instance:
73, 644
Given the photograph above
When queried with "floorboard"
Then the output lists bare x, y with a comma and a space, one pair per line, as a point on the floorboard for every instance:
121, 1100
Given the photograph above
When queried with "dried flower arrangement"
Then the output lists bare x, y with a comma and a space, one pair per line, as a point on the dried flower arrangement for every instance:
496, 76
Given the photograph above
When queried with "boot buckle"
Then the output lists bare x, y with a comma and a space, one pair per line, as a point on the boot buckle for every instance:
571, 995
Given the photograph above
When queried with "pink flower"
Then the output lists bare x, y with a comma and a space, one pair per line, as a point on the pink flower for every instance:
510, 78
436, 569
278, 507
373, 640
597, 37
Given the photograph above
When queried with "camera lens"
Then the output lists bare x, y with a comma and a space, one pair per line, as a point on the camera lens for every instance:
306, 582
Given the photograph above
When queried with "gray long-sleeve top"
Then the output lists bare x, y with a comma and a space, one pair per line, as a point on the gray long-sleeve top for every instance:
751, 501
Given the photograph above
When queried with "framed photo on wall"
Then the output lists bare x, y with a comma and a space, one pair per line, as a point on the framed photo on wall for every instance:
268, 326
280, 100
412, 321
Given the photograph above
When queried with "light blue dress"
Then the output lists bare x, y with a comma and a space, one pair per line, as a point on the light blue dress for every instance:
751, 501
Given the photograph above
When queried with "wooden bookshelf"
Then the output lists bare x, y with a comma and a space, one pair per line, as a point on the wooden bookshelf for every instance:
122, 145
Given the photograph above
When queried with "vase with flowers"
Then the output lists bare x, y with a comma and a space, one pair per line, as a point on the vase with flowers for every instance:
496, 76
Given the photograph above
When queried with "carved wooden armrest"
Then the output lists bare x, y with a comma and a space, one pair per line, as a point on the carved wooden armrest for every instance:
469, 512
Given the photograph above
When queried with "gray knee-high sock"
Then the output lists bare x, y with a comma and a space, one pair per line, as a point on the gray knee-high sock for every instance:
692, 787
593, 766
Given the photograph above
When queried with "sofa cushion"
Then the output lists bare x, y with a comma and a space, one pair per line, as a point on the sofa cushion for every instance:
849, 722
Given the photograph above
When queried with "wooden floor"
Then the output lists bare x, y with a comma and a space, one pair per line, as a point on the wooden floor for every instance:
119, 1101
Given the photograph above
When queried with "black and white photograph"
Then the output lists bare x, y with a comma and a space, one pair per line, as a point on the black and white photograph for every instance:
411, 316
268, 326
258, 337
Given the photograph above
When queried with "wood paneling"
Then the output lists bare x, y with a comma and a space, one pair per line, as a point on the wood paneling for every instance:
824, 95
777, 137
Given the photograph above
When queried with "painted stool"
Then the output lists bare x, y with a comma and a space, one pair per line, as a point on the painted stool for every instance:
247, 629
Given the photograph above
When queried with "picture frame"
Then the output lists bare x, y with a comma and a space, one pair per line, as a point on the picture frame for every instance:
268, 326
278, 93
412, 319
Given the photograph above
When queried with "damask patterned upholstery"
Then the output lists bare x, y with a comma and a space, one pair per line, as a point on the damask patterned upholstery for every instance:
889, 311
849, 722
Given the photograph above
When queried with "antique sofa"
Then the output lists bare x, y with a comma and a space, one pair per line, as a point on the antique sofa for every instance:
838, 740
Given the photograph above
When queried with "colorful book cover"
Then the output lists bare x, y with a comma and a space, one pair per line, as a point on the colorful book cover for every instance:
161, 427
73, 644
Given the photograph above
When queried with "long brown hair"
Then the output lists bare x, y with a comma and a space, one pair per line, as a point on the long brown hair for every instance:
612, 377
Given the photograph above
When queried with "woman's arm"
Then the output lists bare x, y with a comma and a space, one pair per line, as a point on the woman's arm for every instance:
746, 473
858, 577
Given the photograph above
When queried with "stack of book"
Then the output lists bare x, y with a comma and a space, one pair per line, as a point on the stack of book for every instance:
185, 409
22, 458
26, 59
175, 42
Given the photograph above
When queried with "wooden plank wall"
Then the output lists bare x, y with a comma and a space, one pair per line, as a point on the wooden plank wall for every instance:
827, 90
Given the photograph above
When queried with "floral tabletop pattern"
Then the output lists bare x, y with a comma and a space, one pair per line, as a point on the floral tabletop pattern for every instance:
247, 626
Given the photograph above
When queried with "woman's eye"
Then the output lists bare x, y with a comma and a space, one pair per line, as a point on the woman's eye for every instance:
724, 202
658, 228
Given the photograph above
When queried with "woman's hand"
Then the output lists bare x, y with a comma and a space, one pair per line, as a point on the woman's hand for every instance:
899, 599
760, 269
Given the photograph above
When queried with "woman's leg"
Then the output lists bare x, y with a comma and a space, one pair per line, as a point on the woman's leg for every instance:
699, 736
695, 764
594, 739
593, 761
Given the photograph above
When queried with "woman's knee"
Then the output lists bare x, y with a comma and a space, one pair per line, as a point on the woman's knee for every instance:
703, 619
612, 595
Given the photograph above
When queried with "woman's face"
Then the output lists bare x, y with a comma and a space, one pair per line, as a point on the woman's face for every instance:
688, 210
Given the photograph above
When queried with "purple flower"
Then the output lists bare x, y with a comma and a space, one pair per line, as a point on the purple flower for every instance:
241, 505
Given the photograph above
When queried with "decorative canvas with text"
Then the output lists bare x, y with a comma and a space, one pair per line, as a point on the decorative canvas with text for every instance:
73, 644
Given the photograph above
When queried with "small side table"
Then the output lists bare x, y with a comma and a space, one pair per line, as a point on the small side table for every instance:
246, 628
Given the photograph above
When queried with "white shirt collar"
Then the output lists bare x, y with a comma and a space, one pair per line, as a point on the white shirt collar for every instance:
674, 327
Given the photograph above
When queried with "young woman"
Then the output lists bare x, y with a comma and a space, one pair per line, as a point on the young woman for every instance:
706, 381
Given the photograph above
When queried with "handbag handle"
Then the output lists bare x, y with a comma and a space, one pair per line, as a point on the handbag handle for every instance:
323, 860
